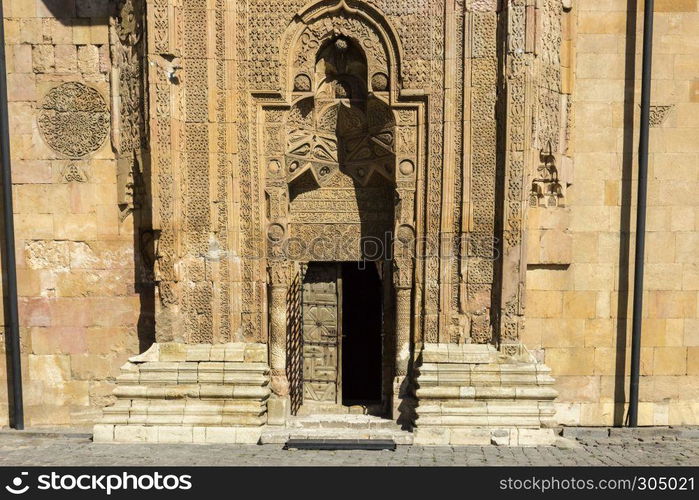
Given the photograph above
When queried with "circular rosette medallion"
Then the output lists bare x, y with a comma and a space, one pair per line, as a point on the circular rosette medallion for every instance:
74, 119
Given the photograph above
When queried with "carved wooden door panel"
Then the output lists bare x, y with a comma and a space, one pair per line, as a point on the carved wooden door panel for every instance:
321, 347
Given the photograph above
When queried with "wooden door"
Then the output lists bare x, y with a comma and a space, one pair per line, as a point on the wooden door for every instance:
321, 333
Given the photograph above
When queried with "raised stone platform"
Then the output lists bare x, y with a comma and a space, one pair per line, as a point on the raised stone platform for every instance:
190, 393
467, 395
472, 395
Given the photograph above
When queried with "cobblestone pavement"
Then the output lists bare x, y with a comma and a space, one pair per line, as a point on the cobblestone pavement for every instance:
32, 450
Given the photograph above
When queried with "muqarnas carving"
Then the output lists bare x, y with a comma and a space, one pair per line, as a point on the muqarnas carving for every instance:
74, 119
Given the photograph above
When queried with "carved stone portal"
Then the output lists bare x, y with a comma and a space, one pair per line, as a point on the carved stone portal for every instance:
404, 134
340, 178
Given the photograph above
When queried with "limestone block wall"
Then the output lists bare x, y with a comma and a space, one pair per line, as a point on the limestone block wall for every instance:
579, 305
79, 308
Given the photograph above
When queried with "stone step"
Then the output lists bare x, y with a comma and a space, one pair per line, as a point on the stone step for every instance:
194, 391
483, 436
463, 353
489, 408
220, 366
155, 378
189, 419
486, 393
485, 368
154, 410
484, 379
533, 421
338, 422
282, 435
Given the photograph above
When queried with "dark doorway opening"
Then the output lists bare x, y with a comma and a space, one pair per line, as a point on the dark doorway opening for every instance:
362, 318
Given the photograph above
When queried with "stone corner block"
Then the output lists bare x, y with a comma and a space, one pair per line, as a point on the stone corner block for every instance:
535, 437
173, 351
277, 410
103, 433
152, 354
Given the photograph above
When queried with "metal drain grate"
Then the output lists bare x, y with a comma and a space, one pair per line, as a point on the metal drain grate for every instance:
340, 444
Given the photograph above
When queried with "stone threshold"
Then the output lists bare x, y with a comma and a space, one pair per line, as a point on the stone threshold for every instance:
334, 427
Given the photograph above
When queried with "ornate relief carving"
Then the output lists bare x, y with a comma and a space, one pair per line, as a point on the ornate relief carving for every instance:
328, 140
73, 172
129, 136
250, 29
161, 26
539, 118
479, 256
658, 114
521, 19
379, 82
549, 94
74, 119
547, 189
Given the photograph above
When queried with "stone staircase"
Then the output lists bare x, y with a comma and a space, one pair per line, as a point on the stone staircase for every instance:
471, 394
190, 393
336, 427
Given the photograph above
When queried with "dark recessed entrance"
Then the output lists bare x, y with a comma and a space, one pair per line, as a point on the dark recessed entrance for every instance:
361, 333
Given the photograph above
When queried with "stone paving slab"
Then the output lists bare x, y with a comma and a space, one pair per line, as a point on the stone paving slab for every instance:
33, 450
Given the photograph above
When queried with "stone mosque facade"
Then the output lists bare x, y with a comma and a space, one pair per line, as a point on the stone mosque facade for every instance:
237, 219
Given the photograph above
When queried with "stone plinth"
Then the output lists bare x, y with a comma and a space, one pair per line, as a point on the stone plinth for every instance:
471, 394
190, 393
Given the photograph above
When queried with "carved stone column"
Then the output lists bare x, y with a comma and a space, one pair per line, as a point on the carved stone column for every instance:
279, 280
403, 281
403, 303
403, 266
277, 406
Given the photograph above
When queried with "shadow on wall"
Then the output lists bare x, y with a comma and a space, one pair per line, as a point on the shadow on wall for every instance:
77, 12
628, 158
144, 259
6, 402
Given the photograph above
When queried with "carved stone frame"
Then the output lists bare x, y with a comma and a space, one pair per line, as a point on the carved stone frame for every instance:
409, 112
